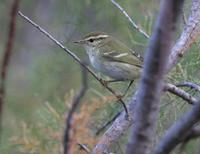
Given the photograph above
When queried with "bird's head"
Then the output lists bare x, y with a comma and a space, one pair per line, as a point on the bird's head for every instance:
93, 39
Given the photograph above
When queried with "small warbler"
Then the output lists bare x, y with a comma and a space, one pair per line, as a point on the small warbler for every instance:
111, 57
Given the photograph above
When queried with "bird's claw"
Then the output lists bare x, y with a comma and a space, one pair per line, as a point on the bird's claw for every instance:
119, 97
104, 82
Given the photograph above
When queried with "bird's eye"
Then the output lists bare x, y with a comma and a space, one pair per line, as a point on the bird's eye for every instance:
91, 40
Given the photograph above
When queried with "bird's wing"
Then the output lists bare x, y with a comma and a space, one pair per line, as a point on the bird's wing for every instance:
118, 52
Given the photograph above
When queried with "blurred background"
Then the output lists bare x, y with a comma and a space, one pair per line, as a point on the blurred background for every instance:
43, 79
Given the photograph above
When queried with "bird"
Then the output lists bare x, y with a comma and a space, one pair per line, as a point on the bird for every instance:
111, 57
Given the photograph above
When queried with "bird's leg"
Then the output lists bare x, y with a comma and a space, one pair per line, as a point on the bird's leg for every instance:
111, 81
106, 82
129, 85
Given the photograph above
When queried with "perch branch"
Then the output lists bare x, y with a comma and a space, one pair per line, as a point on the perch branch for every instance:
168, 87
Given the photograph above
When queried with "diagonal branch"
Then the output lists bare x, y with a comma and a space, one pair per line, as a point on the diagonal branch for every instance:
130, 19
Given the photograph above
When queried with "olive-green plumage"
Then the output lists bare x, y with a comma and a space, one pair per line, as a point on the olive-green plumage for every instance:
111, 57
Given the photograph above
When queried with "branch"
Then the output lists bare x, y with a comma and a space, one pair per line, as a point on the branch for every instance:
168, 87
77, 59
151, 84
75, 103
176, 133
120, 125
181, 93
117, 129
7, 53
192, 134
130, 19
190, 33
190, 85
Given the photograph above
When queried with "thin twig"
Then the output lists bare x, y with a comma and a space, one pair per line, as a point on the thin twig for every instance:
75, 103
107, 123
77, 59
7, 53
190, 85
130, 19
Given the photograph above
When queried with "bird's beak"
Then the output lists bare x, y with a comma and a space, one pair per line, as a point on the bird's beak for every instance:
80, 41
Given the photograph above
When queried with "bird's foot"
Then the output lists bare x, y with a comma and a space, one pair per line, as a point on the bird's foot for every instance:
119, 97
104, 82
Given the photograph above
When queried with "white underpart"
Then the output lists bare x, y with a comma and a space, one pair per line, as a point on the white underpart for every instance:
121, 55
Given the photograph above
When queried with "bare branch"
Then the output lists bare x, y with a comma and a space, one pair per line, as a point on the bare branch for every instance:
181, 93
121, 125
188, 37
77, 59
7, 53
176, 133
75, 103
130, 19
190, 85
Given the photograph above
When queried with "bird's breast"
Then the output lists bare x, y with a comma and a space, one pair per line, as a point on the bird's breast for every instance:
94, 59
